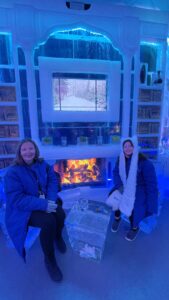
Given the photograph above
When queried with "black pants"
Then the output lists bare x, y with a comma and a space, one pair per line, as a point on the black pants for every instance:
51, 225
117, 215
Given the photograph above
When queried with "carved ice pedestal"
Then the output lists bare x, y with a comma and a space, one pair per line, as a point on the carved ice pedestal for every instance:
87, 229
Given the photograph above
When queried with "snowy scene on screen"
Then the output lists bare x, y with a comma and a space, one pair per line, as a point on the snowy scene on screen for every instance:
79, 94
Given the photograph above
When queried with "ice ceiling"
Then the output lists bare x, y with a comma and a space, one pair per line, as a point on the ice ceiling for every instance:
162, 5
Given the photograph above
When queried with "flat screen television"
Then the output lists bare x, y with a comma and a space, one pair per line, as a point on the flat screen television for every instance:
79, 90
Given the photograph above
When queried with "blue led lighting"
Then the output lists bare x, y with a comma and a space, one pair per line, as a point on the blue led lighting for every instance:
77, 34
65, 34
147, 7
40, 44
150, 44
80, 29
5, 33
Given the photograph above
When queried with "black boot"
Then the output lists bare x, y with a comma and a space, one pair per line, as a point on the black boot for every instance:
53, 269
60, 243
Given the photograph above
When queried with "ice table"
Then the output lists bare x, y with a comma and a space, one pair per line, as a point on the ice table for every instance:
87, 229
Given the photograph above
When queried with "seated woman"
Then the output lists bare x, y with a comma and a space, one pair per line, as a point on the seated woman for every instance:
31, 188
135, 192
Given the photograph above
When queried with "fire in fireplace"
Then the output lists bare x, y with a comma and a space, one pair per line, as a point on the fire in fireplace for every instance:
81, 172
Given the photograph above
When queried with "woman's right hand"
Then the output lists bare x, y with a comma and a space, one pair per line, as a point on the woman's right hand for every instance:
51, 206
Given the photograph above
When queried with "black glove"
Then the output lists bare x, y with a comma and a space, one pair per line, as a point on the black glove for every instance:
59, 201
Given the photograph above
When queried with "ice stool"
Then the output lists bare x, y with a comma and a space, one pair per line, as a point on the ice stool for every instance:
32, 234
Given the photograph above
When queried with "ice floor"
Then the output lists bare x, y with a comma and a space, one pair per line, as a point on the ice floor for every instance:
136, 270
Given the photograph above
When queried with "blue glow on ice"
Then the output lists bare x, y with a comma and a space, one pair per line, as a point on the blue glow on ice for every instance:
95, 34
150, 44
5, 33
67, 34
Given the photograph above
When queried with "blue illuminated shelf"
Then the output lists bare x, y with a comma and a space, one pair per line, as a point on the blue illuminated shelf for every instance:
80, 152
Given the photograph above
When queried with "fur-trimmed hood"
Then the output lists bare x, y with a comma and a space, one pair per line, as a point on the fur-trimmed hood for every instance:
133, 140
129, 183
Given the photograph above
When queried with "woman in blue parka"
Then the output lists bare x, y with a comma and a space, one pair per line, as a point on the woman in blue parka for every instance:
31, 188
135, 192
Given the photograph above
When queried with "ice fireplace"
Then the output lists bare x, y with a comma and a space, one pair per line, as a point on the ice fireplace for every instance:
80, 172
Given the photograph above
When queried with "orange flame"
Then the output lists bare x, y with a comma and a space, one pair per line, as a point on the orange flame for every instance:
79, 171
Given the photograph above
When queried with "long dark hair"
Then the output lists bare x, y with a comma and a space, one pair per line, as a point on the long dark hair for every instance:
18, 159
128, 141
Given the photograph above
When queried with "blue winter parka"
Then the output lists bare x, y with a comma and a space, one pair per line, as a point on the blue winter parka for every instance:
146, 198
22, 183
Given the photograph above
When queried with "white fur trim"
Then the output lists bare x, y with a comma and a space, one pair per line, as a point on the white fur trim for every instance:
126, 205
129, 184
